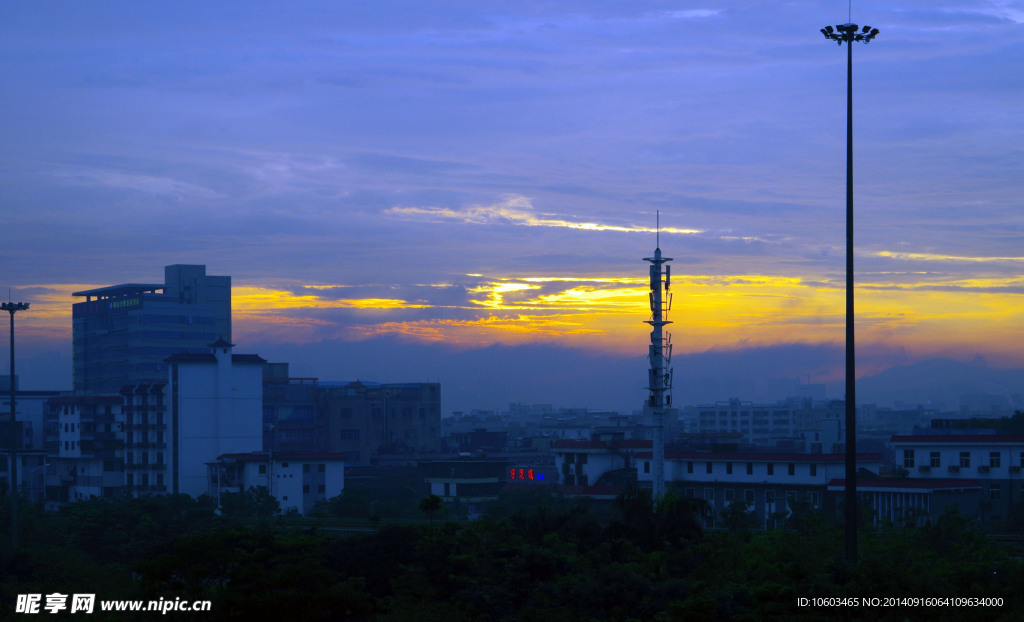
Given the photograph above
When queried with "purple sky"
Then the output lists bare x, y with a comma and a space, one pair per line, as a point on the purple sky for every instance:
409, 190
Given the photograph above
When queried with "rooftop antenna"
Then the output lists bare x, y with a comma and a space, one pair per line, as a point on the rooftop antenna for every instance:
657, 229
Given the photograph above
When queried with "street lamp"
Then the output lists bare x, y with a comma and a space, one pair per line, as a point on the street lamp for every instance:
849, 33
12, 308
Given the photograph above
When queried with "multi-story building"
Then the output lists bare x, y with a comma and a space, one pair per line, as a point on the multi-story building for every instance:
85, 448
146, 435
215, 405
586, 462
813, 425
770, 484
290, 412
992, 461
122, 334
297, 481
912, 502
364, 420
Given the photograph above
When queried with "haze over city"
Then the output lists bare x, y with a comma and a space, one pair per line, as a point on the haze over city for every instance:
464, 192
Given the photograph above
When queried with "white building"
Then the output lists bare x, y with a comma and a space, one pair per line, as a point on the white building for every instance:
995, 461
585, 462
216, 408
298, 481
768, 483
86, 449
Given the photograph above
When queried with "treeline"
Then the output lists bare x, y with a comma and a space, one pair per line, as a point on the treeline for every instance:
635, 560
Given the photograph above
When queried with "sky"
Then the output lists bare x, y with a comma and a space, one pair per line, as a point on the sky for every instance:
465, 191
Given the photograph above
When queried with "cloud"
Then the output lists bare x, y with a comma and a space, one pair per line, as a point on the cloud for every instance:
518, 210
948, 258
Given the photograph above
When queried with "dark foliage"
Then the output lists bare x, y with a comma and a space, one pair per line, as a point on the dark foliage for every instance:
651, 561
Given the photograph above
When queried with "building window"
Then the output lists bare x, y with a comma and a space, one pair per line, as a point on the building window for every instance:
965, 459
321, 468
994, 459
935, 459
730, 495
647, 466
993, 492
748, 496
771, 469
908, 458
321, 489
750, 468
689, 467
814, 470
305, 489
708, 467
263, 469
792, 468
305, 468
728, 468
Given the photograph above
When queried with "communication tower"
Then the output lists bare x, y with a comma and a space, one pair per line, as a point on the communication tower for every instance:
660, 354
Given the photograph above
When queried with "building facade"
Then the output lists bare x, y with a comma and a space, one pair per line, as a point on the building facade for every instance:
215, 405
812, 426
771, 485
297, 481
146, 435
364, 421
992, 461
85, 449
122, 334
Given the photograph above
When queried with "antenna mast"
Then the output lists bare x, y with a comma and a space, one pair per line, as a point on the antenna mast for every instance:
660, 355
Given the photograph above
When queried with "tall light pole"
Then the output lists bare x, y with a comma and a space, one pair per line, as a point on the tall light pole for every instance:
12, 308
849, 33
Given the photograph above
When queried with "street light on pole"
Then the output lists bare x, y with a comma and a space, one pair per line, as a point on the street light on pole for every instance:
12, 308
849, 34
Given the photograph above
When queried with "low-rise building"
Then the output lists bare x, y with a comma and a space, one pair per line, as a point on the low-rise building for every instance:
297, 481
769, 484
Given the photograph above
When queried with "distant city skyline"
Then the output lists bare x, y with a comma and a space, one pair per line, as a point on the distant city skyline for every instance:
465, 193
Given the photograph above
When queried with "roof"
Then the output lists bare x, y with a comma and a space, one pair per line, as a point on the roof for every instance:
206, 357
961, 439
86, 399
125, 289
909, 484
264, 457
738, 457
586, 444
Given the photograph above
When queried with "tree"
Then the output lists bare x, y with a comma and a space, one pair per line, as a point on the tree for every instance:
429, 505
739, 516
257, 502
